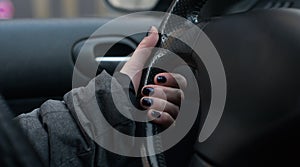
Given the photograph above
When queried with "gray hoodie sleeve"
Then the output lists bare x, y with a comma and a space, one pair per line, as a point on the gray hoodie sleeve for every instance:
54, 134
34, 130
62, 132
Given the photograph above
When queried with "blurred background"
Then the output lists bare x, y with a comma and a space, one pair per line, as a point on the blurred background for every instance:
10, 9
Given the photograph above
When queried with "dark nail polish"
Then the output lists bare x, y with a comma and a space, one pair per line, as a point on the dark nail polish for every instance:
147, 102
149, 31
148, 91
161, 79
155, 114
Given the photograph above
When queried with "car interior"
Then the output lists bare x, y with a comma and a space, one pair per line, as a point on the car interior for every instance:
258, 42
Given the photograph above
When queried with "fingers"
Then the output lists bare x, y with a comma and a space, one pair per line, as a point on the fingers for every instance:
163, 99
172, 95
170, 80
161, 118
160, 105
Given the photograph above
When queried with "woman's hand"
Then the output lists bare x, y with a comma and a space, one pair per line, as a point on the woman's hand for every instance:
162, 100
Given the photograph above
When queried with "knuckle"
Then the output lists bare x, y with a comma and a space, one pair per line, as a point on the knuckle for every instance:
180, 80
159, 104
179, 94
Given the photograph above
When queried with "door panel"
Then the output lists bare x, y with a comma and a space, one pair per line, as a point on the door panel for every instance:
38, 56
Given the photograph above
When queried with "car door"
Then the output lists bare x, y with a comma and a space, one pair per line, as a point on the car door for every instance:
39, 47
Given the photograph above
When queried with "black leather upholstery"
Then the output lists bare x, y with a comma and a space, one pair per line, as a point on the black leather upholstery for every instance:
260, 51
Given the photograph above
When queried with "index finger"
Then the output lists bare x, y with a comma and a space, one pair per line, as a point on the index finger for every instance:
171, 80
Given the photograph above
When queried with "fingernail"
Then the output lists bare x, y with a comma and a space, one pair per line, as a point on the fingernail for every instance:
147, 102
161, 79
149, 32
155, 114
148, 91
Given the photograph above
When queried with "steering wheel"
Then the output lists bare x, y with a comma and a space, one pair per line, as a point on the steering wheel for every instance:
259, 51
259, 126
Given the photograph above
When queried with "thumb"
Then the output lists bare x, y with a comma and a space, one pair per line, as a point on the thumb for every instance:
140, 56
146, 45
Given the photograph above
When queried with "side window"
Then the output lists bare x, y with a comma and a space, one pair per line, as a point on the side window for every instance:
43, 9
15, 9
